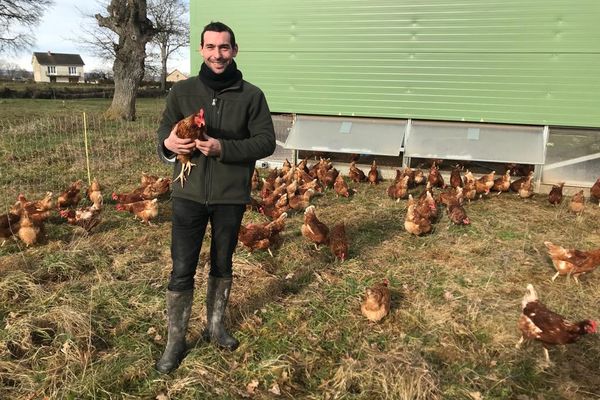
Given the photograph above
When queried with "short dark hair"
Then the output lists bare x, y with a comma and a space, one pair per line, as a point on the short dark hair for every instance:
218, 27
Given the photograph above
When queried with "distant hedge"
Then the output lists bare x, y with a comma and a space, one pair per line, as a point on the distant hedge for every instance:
68, 92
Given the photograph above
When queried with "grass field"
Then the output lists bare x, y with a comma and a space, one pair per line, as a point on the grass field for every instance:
83, 316
15, 111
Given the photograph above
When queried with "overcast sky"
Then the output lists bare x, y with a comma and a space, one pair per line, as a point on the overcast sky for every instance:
66, 21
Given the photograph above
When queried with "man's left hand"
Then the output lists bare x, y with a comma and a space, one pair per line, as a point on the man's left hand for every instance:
209, 147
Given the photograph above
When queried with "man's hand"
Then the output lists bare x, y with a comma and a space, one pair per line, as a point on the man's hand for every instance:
209, 147
178, 145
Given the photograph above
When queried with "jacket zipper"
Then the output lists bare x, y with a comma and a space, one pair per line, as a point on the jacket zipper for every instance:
215, 113
208, 175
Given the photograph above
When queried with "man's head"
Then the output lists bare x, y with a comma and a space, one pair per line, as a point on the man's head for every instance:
217, 46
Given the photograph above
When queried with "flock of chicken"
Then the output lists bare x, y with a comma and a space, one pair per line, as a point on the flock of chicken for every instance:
25, 219
292, 187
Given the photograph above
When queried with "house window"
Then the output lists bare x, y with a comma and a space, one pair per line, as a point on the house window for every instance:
72, 70
51, 69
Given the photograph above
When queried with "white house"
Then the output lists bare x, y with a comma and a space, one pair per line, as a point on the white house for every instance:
176, 76
57, 67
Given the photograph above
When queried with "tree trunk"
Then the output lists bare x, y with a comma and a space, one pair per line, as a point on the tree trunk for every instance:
128, 75
127, 18
163, 70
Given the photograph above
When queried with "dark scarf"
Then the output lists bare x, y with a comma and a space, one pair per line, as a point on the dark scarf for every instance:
218, 82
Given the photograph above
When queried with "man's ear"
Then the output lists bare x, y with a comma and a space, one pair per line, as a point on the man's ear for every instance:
235, 50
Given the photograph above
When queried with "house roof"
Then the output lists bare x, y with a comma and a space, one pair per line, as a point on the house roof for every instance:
49, 58
176, 71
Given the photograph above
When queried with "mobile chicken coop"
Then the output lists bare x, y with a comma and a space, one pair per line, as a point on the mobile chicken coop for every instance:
504, 81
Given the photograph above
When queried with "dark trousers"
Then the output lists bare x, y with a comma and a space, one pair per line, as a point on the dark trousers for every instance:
190, 219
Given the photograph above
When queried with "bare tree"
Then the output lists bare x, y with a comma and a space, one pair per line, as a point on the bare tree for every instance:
152, 72
98, 41
172, 30
128, 20
12, 71
17, 17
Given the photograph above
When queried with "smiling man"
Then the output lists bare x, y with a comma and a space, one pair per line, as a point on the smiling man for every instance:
218, 50
239, 132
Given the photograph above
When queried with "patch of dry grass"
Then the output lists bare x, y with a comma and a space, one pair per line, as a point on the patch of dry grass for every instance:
86, 312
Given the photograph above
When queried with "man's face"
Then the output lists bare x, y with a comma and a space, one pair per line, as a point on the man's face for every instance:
217, 51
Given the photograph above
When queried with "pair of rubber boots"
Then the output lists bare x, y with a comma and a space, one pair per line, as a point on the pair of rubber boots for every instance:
179, 306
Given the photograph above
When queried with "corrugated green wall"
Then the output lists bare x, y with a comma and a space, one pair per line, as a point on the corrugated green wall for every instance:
512, 61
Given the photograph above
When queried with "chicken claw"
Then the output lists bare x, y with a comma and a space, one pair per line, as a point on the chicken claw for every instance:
186, 168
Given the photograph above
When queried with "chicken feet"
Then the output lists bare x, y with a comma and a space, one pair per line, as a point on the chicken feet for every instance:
186, 168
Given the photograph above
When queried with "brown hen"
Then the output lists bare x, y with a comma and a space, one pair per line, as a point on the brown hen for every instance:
71, 196
341, 187
9, 225
572, 261
595, 192
556, 194
377, 301
87, 218
435, 178
457, 214
373, 175
28, 232
516, 184
399, 190
577, 204
537, 322
94, 192
38, 211
338, 242
502, 184
414, 222
455, 178
146, 210
313, 229
192, 127
356, 174
261, 236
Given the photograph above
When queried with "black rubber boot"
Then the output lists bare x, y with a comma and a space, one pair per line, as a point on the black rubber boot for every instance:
217, 296
179, 307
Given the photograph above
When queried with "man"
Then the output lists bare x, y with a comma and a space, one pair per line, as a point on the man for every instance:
240, 131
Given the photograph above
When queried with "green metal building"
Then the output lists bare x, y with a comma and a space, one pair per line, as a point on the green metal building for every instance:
533, 62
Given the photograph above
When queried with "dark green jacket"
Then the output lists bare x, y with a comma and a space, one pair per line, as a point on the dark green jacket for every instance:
240, 119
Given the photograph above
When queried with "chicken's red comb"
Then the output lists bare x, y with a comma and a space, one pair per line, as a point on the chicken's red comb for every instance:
199, 118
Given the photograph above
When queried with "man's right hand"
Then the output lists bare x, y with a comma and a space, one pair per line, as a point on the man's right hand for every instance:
178, 145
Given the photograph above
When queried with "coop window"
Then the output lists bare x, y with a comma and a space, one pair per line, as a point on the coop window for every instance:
573, 156
347, 135
472, 141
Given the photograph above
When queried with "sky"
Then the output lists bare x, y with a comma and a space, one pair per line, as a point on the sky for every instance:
64, 23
